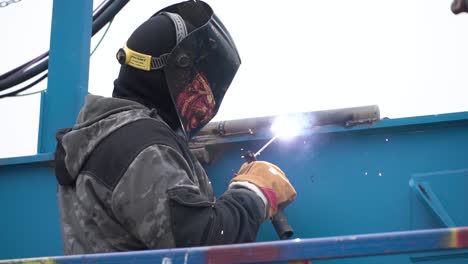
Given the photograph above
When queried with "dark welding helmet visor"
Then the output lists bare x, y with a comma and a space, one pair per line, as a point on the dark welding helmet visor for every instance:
199, 71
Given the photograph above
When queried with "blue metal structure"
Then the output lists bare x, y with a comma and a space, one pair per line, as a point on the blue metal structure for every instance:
394, 176
68, 69
315, 249
27, 184
360, 180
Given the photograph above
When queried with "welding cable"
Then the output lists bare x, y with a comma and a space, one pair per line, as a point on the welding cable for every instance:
26, 65
23, 68
109, 10
13, 71
102, 6
24, 88
17, 92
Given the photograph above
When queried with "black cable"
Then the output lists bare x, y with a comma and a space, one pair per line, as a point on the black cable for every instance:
24, 88
109, 10
100, 9
108, 14
21, 68
13, 71
16, 92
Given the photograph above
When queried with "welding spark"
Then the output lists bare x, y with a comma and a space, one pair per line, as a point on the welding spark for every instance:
283, 127
288, 126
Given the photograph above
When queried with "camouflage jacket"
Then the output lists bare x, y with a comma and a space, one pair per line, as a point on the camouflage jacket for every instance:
158, 202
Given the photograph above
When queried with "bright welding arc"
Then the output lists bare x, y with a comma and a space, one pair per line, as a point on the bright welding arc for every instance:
288, 126
284, 127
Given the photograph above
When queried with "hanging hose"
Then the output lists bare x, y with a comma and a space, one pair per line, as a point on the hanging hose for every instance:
18, 75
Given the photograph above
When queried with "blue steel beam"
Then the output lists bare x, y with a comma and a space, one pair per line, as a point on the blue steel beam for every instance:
424, 191
68, 68
27, 159
315, 249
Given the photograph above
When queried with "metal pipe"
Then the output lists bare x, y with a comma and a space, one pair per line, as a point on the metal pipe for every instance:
216, 132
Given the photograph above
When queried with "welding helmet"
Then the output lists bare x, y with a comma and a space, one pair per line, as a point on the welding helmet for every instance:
198, 69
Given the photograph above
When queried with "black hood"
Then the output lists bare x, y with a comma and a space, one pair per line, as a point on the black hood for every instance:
181, 61
155, 37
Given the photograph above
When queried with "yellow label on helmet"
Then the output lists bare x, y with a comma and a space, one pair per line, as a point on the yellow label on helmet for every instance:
138, 60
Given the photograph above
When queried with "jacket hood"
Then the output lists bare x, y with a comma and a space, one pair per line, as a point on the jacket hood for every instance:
98, 118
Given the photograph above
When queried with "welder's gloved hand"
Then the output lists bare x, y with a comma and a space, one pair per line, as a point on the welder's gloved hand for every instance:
267, 180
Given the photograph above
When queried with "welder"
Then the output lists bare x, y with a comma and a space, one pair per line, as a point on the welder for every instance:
127, 180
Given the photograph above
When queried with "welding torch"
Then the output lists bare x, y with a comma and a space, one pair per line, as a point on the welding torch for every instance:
279, 220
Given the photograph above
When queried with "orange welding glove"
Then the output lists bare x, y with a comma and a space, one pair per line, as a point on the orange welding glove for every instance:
272, 182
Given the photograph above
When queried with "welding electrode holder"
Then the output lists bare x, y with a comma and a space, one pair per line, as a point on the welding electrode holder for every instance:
281, 225
279, 220
249, 157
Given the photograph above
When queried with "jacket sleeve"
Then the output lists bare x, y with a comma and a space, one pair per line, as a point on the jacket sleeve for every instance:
158, 200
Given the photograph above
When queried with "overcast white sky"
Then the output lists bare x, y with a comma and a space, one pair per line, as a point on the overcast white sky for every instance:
410, 57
